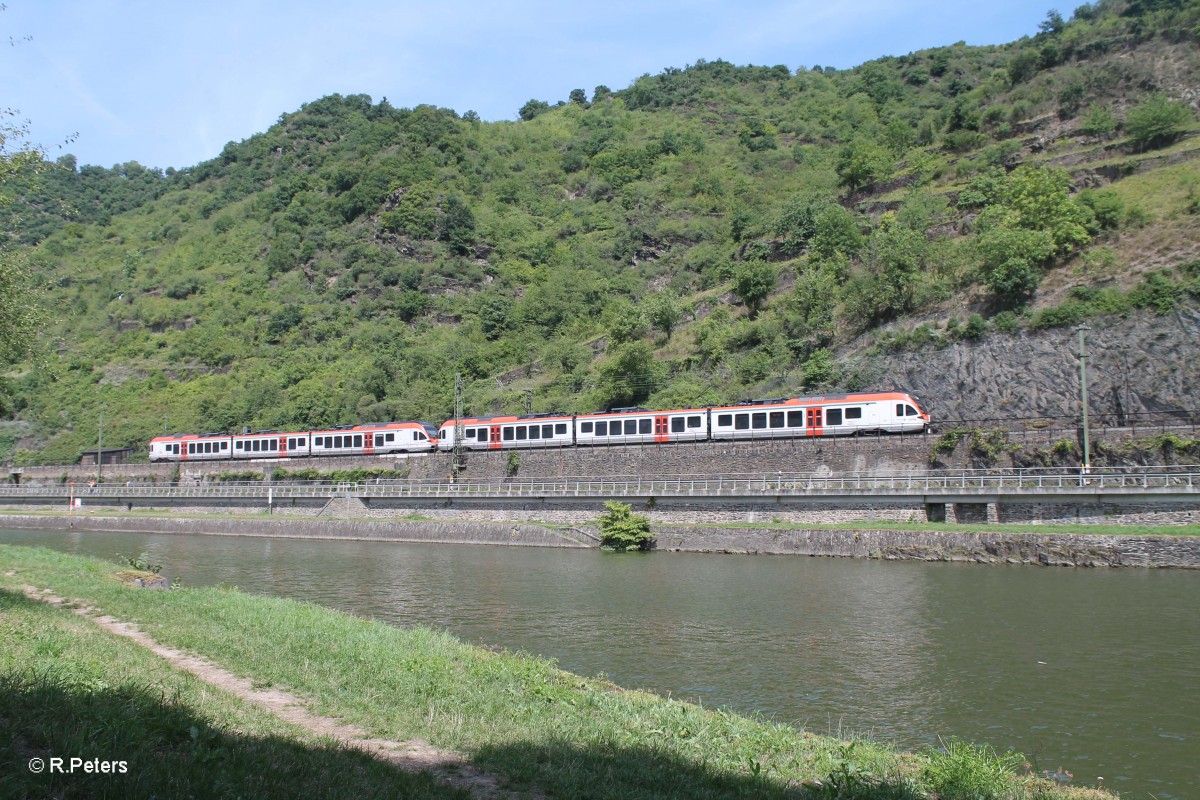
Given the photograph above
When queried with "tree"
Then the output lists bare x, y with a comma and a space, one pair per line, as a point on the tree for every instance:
1053, 24
458, 226
753, 281
664, 312
532, 108
578, 97
21, 317
863, 162
1157, 121
630, 376
622, 321
622, 530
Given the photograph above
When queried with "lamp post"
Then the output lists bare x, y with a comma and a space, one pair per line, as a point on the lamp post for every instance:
1087, 452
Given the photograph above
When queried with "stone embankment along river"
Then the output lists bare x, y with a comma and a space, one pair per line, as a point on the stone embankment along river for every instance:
1081, 550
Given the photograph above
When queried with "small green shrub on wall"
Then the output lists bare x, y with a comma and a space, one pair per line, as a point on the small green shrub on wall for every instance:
622, 530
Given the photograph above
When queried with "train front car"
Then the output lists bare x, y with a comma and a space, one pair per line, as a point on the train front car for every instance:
510, 432
824, 415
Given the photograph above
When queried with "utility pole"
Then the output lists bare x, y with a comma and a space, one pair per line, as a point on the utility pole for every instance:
1087, 452
100, 451
460, 428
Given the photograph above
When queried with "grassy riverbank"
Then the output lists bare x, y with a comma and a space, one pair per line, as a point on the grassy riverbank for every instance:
69, 689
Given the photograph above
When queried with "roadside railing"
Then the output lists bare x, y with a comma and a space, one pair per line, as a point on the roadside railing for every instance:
1034, 481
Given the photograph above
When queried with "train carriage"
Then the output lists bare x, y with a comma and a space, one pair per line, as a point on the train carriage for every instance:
510, 432
269, 444
641, 426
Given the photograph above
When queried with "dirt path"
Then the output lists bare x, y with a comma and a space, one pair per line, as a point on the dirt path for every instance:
413, 755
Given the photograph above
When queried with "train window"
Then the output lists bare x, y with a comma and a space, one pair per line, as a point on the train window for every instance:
560, 428
602, 428
420, 437
379, 440
695, 421
470, 433
725, 420
585, 427
776, 419
741, 422
833, 416
795, 419
191, 448
631, 426
899, 409
758, 420
391, 437
520, 432
645, 426
535, 432
508, 434
547, 431
853, 413
175, 449
237, 445
483, 434
909, 411
677, 424
275, 444
358, 440
224, 445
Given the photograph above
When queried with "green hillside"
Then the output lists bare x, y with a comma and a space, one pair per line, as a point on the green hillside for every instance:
708, 233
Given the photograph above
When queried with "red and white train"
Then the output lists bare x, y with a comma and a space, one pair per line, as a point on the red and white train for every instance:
372, 438
826, 415
797, 417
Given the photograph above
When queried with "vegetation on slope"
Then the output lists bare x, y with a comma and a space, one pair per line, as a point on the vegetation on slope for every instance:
705, 234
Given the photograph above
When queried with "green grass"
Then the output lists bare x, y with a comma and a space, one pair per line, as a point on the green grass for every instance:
510, 713
69, 689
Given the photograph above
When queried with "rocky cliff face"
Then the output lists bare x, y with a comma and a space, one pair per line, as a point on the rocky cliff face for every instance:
1136, 364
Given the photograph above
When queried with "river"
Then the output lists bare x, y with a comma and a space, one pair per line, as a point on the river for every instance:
1093, 671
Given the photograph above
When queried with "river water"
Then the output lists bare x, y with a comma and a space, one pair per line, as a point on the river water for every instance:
1093, 671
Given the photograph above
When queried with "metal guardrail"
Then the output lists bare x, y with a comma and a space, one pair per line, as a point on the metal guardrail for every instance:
1151, 481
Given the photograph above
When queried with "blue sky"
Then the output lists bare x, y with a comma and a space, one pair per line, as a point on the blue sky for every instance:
168, 83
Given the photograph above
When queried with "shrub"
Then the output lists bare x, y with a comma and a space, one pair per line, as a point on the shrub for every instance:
622, 530
963, 771
1157, 121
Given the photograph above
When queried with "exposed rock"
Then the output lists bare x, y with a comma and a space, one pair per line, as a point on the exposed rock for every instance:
1142, 363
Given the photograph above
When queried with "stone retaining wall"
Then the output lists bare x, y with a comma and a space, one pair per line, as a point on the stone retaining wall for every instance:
996, 548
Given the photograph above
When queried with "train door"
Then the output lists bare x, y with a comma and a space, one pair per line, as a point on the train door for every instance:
661, 428
368, 443
283, 448
494, 444
813, 422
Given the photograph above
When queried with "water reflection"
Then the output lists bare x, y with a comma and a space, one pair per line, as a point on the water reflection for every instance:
1091, 670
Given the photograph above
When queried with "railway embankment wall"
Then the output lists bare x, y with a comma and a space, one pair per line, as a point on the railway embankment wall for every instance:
825, 456
1075, 550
